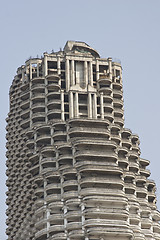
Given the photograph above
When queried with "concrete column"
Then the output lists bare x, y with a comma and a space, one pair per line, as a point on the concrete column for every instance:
67, 75
71, 105
85, 73
40, 170
35, 139
52, 132
101, 106
89, 105
110, 67
37, 69
48, 222
62, 105
120, 75
58, 65
90, 74
95, 106
45, 65
76, 105
72, 73
30, 71
97, 69
23, 75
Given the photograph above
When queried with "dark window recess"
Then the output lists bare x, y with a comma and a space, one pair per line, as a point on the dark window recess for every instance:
66, 98
63, 84
66, 108
103, 68
62, 65
62, 75
52, 64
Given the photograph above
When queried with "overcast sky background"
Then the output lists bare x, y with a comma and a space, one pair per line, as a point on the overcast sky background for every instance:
123, 29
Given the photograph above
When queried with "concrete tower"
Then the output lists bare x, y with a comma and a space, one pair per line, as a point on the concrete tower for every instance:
74, 172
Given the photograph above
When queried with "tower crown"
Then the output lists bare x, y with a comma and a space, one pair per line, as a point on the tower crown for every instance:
74, 171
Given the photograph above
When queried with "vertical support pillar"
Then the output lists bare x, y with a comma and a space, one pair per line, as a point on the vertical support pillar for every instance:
89, 105
76, 105
58, 66
40, 169
30, 71
85, 73
67, 75
52, 132
72, 73
97, 70
121, 75
71, 104
37, 69
45, 65
110, 67
46, 100
95, 106
48, 222
35, 139
90, 74
101, 106
23, 75
62, 105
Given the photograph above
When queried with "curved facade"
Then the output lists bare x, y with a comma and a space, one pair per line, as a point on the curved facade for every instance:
74, 171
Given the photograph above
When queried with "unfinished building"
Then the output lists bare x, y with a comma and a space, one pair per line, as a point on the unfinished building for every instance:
74, 171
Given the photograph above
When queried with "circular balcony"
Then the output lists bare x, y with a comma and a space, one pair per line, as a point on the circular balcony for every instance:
39, 212
53, 96
25, 123
106, 213
59, 236
54, 103
37, 96
88, 132
104, 79
34, 170
109, 228
145, 172
118, 112
133, 166
25, 95
54, 114
70, 194
41, 223
94, 155
101, 181
38, 106
109, 116
37, 80
108, 107
42, 234
56, 228
70, 183
76, 234
52, 186
37, 86
106, 192
118, 103
43, 139
117, 86
90, 167
119, 121
118, 94
144, 162
53, 198
106, 90
73, 226
73, 214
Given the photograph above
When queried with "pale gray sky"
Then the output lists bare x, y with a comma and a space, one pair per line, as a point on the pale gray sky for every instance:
125, 29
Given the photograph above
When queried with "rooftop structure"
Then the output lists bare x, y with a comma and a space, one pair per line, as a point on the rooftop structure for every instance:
74, 171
